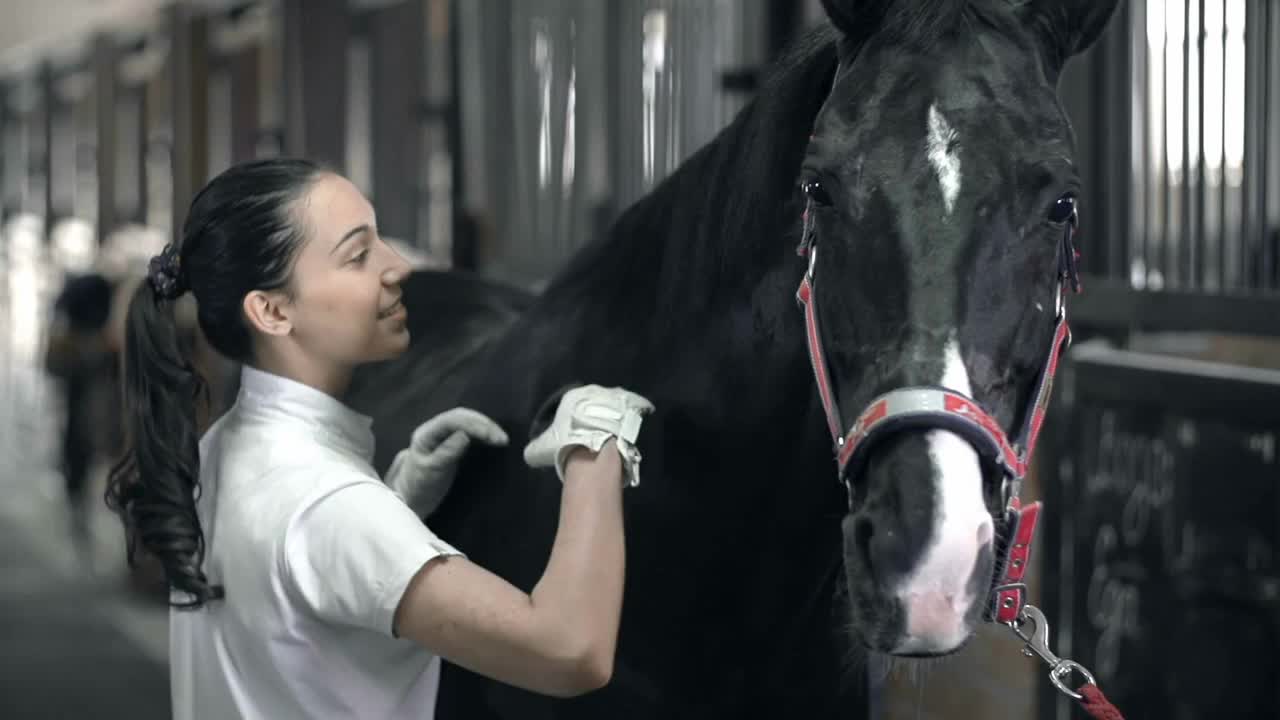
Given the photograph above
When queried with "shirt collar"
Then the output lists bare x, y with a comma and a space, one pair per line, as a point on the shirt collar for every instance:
332, 422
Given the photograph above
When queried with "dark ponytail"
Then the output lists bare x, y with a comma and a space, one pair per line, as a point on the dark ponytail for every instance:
154, 487
241, 234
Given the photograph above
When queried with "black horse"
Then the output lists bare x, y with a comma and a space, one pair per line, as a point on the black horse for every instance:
925, 148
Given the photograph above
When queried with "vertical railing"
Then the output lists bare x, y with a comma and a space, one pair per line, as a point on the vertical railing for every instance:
1205, 147
571, 110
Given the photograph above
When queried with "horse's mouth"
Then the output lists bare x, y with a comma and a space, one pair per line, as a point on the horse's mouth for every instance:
934, 654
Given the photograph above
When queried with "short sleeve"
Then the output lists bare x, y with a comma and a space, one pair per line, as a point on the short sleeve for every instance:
349, 555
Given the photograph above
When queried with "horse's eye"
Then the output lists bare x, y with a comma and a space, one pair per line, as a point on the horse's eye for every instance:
1063, 210
816, 192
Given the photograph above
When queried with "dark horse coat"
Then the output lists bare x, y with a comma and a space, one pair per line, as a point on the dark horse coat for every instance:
735, 605
733, 538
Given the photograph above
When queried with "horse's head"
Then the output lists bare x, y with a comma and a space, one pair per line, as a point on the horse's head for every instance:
941, 196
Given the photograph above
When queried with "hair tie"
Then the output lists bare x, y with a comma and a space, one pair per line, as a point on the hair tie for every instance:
164, 272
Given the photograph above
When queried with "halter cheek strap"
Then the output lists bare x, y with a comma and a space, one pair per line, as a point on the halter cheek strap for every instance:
941, 408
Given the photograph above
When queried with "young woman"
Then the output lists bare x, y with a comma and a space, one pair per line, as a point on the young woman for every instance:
303, 585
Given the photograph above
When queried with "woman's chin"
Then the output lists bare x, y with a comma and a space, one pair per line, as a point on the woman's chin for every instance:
401, 340
392, 347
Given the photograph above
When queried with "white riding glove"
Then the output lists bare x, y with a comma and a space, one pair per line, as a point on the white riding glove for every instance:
422, 473
589, 415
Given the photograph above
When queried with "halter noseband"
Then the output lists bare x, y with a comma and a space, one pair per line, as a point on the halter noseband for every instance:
942, 408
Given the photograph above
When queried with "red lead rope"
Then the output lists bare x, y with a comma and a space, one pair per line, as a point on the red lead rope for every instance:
1096, 704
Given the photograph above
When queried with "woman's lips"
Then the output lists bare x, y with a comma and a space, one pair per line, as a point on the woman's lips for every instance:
395, 307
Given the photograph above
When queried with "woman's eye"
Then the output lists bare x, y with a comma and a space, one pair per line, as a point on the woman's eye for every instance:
360, 258
1063, 210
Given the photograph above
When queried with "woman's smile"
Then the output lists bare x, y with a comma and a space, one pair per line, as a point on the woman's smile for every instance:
396, 308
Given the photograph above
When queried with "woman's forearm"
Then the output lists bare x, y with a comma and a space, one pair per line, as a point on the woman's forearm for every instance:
580, 593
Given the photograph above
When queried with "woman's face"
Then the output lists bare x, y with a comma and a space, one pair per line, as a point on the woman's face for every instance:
346, 307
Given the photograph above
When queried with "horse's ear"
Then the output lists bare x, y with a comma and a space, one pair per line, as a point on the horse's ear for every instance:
856, 18
1066, 27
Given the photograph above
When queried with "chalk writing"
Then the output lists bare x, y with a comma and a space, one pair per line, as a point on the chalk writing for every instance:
1136, 473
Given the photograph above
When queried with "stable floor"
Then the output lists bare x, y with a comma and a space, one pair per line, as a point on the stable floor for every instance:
77, 640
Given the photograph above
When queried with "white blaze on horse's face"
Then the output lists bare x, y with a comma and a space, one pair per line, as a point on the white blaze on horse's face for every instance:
936, 595
944, 155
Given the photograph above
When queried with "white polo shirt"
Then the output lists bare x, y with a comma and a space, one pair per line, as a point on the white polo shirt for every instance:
314, 553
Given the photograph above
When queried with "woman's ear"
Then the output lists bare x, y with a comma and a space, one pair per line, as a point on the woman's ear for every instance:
268, 312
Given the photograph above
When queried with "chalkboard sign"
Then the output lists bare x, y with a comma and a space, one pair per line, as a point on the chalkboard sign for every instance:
1161, 544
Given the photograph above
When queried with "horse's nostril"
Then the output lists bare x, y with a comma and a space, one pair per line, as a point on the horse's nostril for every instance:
863, 531
985, 532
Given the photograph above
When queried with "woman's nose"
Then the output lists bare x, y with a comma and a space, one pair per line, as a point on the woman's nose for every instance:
397, 270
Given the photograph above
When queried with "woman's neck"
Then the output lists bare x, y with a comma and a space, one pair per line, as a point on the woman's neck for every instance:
328, 378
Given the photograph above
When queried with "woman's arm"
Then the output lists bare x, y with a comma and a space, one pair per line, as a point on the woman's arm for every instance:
560, 639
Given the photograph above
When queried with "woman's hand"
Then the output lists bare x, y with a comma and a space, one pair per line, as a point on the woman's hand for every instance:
588, 416
422, 473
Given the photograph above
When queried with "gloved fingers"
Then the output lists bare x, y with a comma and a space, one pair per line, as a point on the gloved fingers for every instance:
453, 446
394, 474
613, 410
478, 426
541, 451
634, 401
431, 433
544, 450
617, 399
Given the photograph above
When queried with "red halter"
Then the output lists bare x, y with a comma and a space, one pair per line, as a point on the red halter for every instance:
935, 407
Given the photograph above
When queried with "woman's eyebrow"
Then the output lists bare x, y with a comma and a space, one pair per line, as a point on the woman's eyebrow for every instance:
350, 234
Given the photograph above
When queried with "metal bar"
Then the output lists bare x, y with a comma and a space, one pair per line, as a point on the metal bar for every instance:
1222, 162
315, 80
464, 227
1255, 157
1112, 69
188, 78
1198, 251
48, 113
462, 244
1144, 145
5, 158
1184, 200
104, 88
1266, 234
1138, 213
396, 48
1247, 278
1165, 263
1162, 215
1113, 305
149, 98
246, 84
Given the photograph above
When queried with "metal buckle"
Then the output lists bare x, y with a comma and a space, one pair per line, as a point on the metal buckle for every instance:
1037, 644
997, 589
994, 604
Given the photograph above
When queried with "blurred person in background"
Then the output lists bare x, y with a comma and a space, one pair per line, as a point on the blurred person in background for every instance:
304, 585
79, 355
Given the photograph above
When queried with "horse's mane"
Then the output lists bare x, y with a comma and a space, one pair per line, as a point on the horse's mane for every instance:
920, 23
726, 209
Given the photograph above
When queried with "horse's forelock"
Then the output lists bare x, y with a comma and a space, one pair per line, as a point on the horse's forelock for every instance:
915, 22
